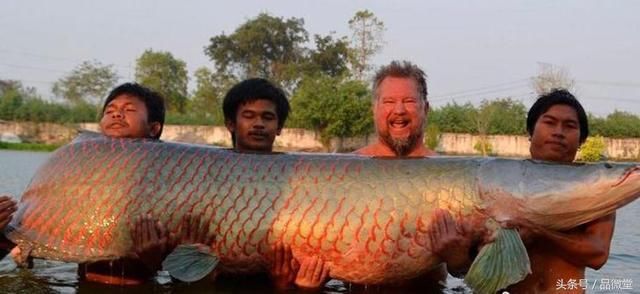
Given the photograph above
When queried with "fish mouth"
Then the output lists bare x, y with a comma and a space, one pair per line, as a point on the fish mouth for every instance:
635, 170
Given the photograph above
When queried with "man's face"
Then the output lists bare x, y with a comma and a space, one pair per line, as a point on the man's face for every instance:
399, 114
256, 126
556, 136
126, 117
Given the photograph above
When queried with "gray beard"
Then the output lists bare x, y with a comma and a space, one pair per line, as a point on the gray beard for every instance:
404, 146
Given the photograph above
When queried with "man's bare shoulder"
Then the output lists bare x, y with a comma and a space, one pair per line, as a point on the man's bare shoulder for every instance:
378, 149
366, 150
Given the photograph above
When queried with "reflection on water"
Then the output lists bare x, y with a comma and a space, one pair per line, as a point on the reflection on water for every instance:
16, 168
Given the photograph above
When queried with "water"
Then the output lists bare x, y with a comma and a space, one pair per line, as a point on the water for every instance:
17, 168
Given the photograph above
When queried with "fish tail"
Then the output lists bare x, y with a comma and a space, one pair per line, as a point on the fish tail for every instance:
499, 264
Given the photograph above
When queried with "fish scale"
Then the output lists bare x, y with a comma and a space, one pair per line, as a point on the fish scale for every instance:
367, 218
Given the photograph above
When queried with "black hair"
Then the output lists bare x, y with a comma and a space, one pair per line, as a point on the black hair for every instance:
152, 100
254, 89
557, 96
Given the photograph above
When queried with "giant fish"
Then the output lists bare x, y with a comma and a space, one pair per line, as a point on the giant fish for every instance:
367, 218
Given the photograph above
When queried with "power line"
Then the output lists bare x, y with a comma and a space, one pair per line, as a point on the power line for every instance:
128, 67
441, 98
456, 93
631, 100
610, 84
33, 67
520, 96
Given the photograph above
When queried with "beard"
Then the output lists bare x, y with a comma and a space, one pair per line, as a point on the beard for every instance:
402, 146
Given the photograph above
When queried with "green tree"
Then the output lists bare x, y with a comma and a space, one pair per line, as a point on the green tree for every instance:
502, 117
206, 102
332, 107
88, 83
596, 125
330, 57
620, 124
265, 46
367, 39
454, 118
165, 74
432, 136
11, 99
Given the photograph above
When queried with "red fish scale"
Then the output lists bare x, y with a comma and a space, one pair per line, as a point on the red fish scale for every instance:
33, 217
50, 220
250, 202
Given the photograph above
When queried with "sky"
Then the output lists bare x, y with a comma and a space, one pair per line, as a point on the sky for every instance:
470, 50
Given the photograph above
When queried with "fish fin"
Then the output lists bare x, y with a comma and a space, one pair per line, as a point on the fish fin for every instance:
190, 262
499, 264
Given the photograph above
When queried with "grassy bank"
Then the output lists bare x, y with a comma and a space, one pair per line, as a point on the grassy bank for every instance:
28, 147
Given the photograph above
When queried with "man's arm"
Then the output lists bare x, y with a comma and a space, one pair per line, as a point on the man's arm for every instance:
587, 245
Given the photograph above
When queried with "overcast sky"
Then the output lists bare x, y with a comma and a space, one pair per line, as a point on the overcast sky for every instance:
475, 49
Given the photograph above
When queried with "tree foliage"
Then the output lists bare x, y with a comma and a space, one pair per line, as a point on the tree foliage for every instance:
206, 101
454, 118
500, 116
332, 107
88, 83
265, 46
18, 103
620, 124
165, 74
330, 57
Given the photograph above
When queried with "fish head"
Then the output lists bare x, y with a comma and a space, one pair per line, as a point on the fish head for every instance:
561, 196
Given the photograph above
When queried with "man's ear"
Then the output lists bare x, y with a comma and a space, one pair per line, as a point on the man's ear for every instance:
231, 126
155, 128
278, 131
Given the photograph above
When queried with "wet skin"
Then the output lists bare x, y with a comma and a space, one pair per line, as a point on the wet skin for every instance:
562, 256
126, 116
255, 126
400, 116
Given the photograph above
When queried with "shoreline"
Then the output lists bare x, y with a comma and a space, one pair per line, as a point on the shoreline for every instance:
38, 147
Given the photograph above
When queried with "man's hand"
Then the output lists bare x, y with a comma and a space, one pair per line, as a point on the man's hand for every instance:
312, 274
151, 241
451, 241
7, 208
527, 231
193, 232
283, 266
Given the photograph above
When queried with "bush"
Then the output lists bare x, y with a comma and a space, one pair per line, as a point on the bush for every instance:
483, 146
432, 136
593, 149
